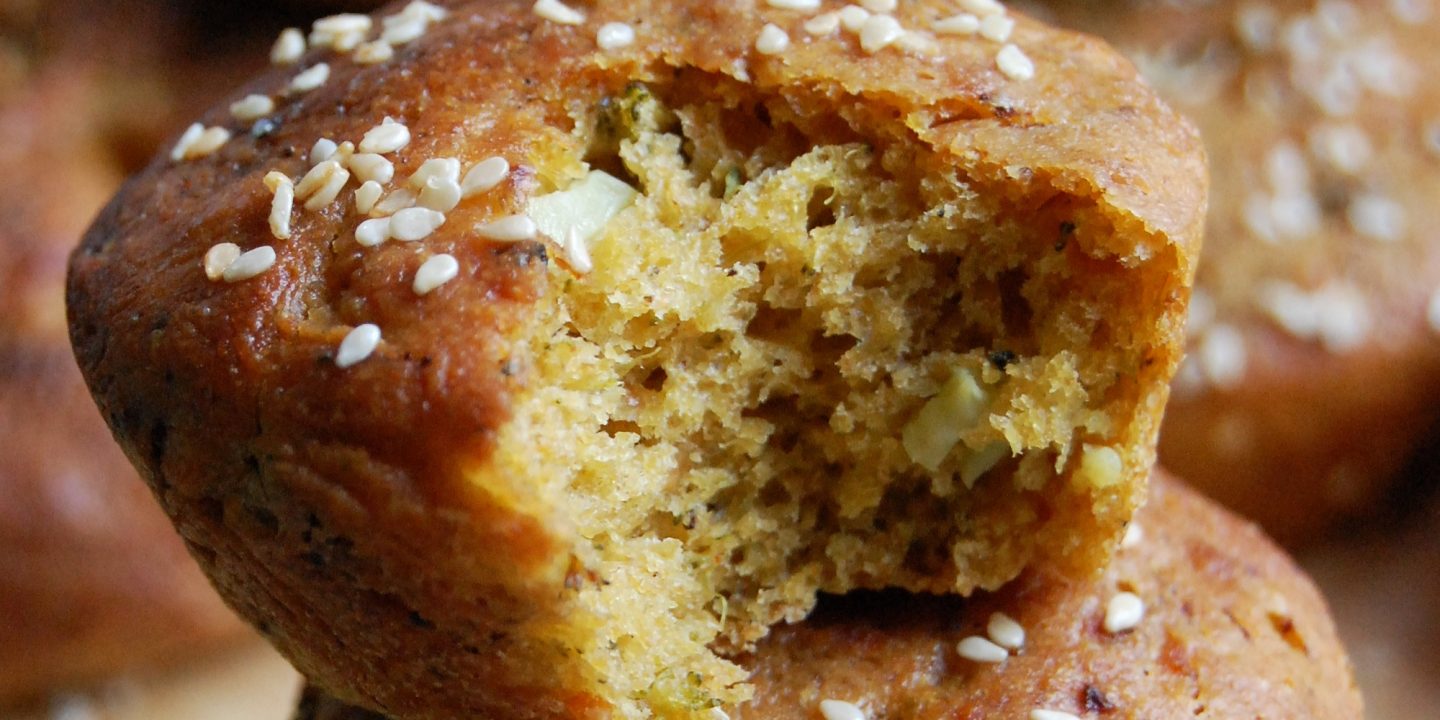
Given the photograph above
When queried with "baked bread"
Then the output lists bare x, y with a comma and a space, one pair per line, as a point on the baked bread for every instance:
1230, 628
93, 579
715, 317
1314, 365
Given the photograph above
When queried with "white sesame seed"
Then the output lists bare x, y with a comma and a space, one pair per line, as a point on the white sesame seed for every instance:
1410, 12
558, 12
1005, 632
322, 150
440, 193
341, 33
1041, 714
410, 23
1256, 24
983, 7
415, 223
823, 24
387, 137
289, 47
372, 232
718, 714
962, 24
1014, 63
281, 205
429, 12
577, 252
997, 28
366, 196
879, 6
252, 107
1222, 356
794, 4
274, 179
840, 710
511, 228
209, 141
1123, 612
329, 190
374, 53
1432, 311
878, 32
317, 179
1345, 147
444, 168
853, 17
249, 264
771, 40
978, 649
219, 257
396, 201
1377, 217
187, 138
311, 78
917, 42
614, 35
1133, 535
435, 272
371, 167
485, 175
358, 344
404, 32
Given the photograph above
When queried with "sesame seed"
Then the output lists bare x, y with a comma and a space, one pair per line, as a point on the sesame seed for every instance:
274, 179
718, 714
435, 272
978, 649
372, 232
1256, 25
962, 24
444, 168
577, 252
289, 47
878, 32
311, 78
341, 33
1005, 632
219, 257
374, 53
794, 4
853, 17
1432, 311
1345, 147
1100, 466
366, 196
415, 223
199, 141
439, 193
281, 205
614, 35
1014, 63
879, 6
1040, 714
917, 42
322, 150
187, 138
558, 12
772, 40
403, 32
1222, 356
252, 107
387, 137
997, 28
429, 12
396, 201
983, 7
1123, 613
840, 710
485, 175
322, 184
823, 24
249, 264
1133, 535
511, 228
358, 344
1377, 218
1410, 12
371, 167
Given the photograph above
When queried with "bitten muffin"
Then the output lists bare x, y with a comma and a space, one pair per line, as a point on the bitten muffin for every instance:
1313, 365
1224, 625
574, 347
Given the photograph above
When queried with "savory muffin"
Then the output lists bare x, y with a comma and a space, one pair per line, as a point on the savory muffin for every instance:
574, 347
1200, 615
1313, 365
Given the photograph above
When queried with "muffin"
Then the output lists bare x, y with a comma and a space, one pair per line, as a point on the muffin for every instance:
574, 347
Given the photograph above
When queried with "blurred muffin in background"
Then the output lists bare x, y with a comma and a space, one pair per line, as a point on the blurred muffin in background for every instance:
1314, 358
93, 579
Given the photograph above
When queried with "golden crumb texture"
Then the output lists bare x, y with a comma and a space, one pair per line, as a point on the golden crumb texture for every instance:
1231, 628
537, 363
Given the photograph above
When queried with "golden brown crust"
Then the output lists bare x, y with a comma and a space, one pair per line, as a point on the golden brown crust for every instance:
327, 503
1232, 628
1313, 371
